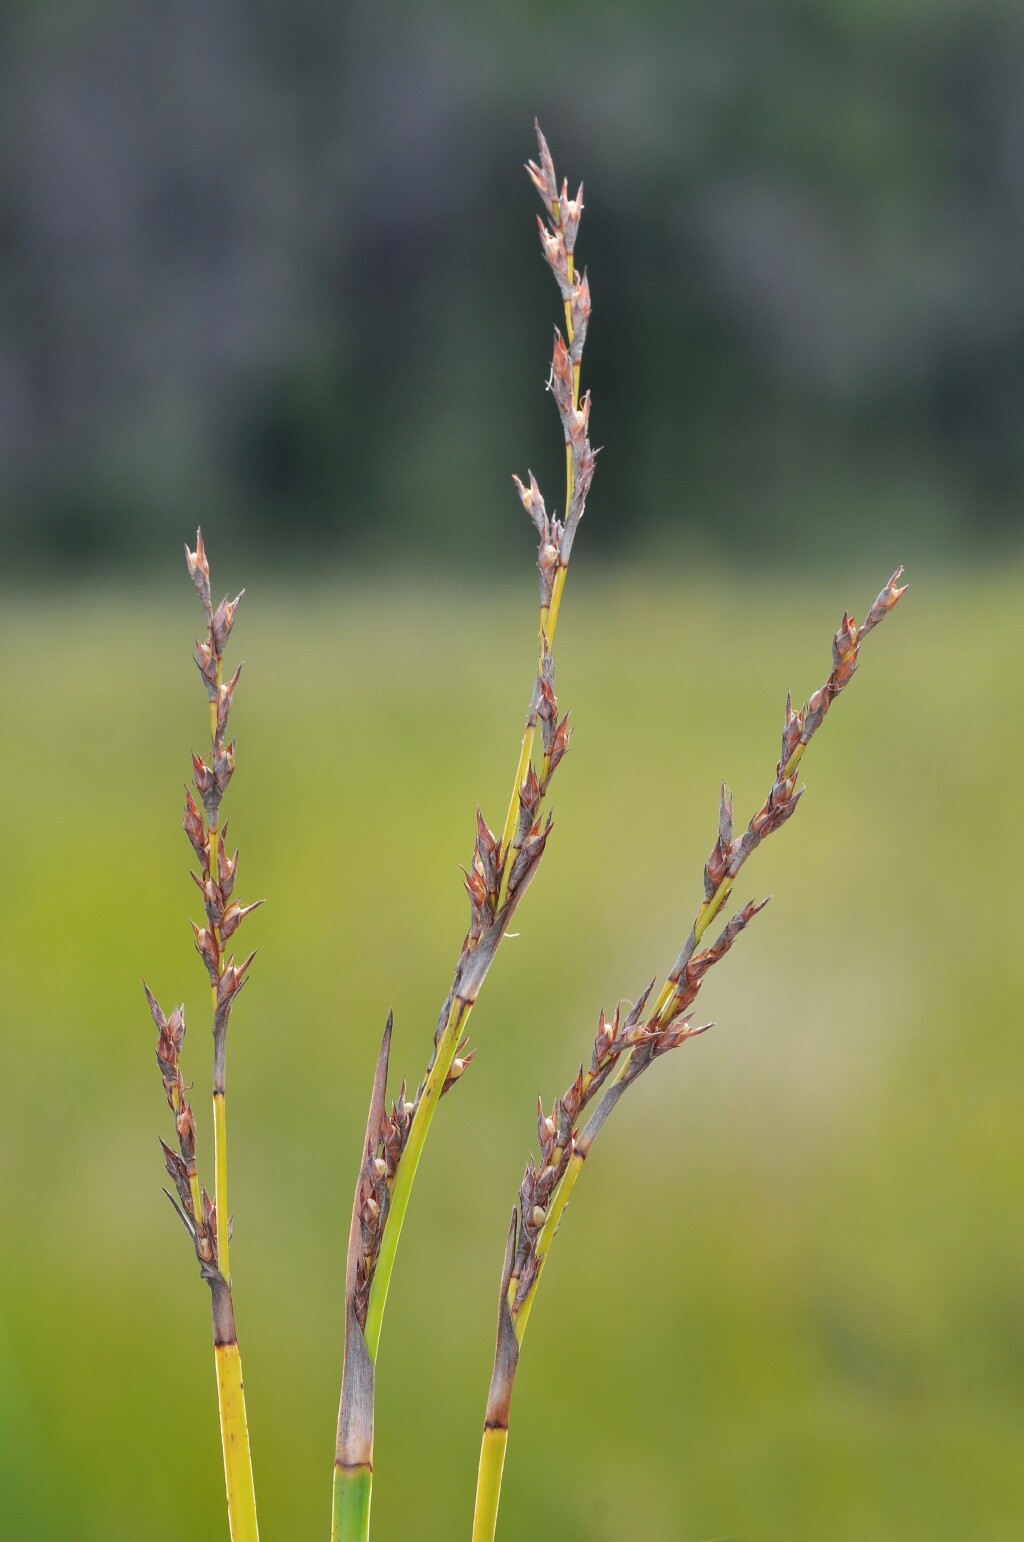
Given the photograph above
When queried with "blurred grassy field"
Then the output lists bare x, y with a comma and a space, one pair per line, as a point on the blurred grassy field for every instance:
787, 1300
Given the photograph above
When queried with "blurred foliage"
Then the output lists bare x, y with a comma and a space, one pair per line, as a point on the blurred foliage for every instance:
278, 265
786, 1302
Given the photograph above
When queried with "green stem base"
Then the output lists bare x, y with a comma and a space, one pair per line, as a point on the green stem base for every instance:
353, 1487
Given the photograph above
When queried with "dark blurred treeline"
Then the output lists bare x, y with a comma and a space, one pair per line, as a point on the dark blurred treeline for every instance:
274, 267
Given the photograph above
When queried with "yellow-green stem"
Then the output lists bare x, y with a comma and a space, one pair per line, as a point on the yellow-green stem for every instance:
234, 1430
353, 1489
704, 917
406, 1174
524, 760
570, 268
488, 1483
795, 759
220, 1127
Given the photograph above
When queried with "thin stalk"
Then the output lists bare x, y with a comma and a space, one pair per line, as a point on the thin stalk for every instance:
353, 1491
499, 1402
220, 1182
220, 1126
234, 1425
525, 756
570, 264
220, 1151
702, 921
488, 1482
241, 1494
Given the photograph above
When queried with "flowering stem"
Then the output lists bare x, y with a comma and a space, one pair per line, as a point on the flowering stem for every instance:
208, 1222
622, 1053
500, 874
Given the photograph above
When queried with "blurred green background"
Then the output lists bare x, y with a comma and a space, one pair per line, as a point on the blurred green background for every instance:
278, 271
786, 1301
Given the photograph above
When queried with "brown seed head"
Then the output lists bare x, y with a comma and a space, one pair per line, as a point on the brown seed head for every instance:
223, 620
845, 641
572, 1098
844, 655
154, 1009
485, 838
178, 1172
528, 856
543, 175
233, 917
552, 244
533, 503
570, 210
232, 979
561, 380
199, 570
224, 765
213, 901
579, 312
224, 698
186, 1128
529, 799
203, 778
577, 426
206, 947
192, 822
226, 866
206, 662
814, 712
462, 1058
885, 602
559, 744
792, 728
583, 460
717, 865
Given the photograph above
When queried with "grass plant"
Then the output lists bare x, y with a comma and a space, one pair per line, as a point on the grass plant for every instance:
501, 870
208, 1221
